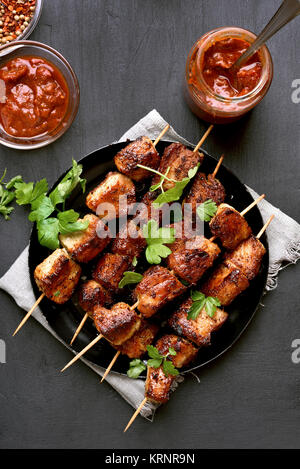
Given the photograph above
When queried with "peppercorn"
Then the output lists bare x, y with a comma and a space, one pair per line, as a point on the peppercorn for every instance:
15, 18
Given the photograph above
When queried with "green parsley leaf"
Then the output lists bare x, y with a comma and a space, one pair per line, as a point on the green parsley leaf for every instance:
13, 181
136, 367
155, 362
207, 210
68, 222
48, 233
173, 194
27, 193
134, 261
66, 186
200, 301
169, 368
41, 208
153, 352
5, 211
156, 238
130, 278
172, 351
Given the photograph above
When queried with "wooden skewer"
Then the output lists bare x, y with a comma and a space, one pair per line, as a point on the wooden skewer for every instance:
79, 327
99, 337
135, 414
265, 227
110, 365
134, 306
253, 204
29, 314
203, 138
218, 166
161, 135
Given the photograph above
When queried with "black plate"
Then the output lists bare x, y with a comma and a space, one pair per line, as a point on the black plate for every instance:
64, 319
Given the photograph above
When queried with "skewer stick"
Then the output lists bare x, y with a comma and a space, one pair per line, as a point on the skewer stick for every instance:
110, 365
135, 414
203, 138
218, 166
134, 306
79, 327
253, 205
83, 352
161, 135
29, 314
265, 227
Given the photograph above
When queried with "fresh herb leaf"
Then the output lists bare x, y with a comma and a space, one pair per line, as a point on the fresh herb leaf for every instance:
134, 261
68, 222
48, 231
155, 362
136, 367
5, 211
130, 278
172, 351
200, 301
41, 208
207, 210
169, 368
156, 238
28, 193
153, 352
11, 184
66, 186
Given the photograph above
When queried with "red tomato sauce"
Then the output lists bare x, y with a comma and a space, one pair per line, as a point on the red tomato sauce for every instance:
37, 97
216, 64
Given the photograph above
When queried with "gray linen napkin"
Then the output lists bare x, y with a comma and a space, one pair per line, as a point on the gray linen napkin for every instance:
284, 243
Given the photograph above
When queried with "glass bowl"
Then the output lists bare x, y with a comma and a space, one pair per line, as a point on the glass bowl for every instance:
32, 48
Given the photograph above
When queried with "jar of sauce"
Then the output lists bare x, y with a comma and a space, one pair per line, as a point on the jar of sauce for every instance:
215, 93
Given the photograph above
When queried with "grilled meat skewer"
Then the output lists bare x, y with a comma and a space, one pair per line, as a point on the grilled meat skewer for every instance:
229, 226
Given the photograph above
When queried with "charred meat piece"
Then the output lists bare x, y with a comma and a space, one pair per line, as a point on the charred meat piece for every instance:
129, 241
141, 151
117, 324
205, 188
185, 351
190, 258
226, 283
158, 287
57, 276
229, 226
180, 160
146, 210
199, 330
92, 294
110, 269
158, 386
83, 246
117, 192
248, 256
136, 346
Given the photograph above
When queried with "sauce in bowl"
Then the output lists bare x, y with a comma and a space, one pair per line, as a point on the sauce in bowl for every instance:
36, 97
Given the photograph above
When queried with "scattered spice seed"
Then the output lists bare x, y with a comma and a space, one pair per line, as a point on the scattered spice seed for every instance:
15, 17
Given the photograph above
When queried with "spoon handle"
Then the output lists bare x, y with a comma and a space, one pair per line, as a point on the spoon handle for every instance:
288, 10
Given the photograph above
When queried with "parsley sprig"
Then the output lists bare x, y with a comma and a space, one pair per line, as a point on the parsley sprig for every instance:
200, 301
175, 193
207, 210
156, 239
7, 195
137, 366
130, 278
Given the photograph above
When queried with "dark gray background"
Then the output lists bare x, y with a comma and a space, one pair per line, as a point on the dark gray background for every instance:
129, 56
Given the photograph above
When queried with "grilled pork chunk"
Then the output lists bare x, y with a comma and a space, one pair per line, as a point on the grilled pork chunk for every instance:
190, 258
136, 346
110, 269
158, 385
229, 226
226, 283
185, 351
205, 188
117, 324
141, 151
92, 294
180, 160
158, 287
117, 190
57, 276
129, 241
248, 256
83, 246
199, 330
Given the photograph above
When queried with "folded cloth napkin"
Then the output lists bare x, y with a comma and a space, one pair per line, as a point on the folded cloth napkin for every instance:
284, 244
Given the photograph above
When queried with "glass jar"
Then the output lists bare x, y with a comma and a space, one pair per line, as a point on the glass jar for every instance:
203, 101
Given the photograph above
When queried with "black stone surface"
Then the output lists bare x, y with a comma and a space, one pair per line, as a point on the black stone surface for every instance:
130, 58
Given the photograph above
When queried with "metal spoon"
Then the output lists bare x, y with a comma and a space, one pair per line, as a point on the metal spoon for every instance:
288, 10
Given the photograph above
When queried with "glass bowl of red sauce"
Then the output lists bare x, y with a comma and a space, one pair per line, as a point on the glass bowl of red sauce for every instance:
39, 95
215, 93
